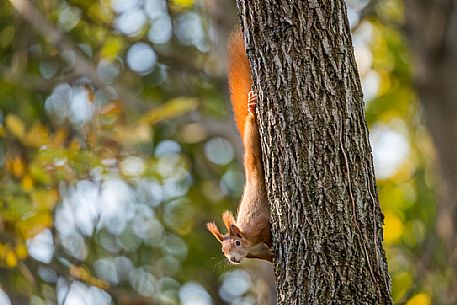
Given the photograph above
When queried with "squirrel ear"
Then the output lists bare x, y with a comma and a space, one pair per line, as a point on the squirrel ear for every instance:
234, 230
211, 226
228, 219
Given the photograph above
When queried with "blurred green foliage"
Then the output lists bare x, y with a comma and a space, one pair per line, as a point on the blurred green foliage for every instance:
104, 198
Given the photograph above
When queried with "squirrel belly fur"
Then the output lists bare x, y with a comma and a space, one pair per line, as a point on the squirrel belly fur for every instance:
249, 236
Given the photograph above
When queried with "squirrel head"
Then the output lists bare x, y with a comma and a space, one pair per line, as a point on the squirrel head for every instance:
235, 245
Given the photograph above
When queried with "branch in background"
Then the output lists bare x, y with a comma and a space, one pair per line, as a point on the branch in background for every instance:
83, 65
33, 82
177, 59
126, 298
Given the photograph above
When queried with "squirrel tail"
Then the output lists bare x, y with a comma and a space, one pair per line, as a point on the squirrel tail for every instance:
239, 76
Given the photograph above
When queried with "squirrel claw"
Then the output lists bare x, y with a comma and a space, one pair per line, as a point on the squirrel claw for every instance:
252, 101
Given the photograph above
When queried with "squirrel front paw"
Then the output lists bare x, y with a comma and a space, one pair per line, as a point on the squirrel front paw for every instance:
252, 101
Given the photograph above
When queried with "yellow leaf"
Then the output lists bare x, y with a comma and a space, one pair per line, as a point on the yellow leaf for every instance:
101, 10
45, 200
83, 273
21, 251
39, 174
111, 48
17, 166
393, 228
10, 258
140, 133
34, 225
15, 125
37, 136
27, 183
183, 3
420, 299
16, 208
173, 108
79, 272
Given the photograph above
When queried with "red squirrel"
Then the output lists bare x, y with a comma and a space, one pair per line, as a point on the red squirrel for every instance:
249, 236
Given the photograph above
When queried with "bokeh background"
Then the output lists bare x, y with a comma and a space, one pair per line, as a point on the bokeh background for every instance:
117, 146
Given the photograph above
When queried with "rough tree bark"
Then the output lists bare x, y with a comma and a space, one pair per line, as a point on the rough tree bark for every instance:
326, 220
430, 28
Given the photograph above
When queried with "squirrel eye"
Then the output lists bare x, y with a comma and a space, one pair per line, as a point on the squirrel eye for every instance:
238, 243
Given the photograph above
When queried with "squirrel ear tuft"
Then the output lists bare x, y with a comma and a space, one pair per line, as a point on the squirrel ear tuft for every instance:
211, 226
228, 219
235, 231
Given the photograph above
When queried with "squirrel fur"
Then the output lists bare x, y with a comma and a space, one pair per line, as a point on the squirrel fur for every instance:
249, 236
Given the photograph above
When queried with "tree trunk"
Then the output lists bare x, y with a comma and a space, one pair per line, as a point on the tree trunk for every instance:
326, 220
430, 28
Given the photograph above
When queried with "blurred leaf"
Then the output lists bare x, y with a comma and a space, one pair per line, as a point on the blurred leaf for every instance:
393, 228
39, 174
36, 136
184, 4
79, 272
173, 108
21, 251
17, 207
15, 125
420, 299
16, 166
101, 10
401, 282
10, 258
44, 199
414, 233
27, 183
111, 48
179, 216
82, 161
35, 224
83, 273
7, 36
140, 133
